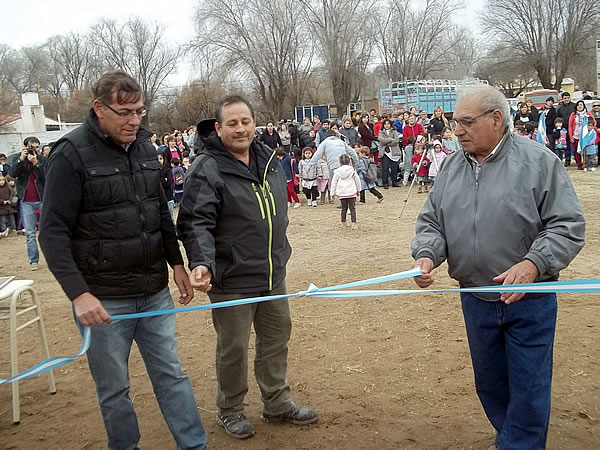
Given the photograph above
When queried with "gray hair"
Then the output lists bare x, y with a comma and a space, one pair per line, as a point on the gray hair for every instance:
489, 99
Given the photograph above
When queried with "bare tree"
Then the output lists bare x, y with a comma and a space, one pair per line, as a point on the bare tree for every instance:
71, 56
544, 34
507, 74
413, 43
139, 49
9, 106
342, 38
260, 40
22, 70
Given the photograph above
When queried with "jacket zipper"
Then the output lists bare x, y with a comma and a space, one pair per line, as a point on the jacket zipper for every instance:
270, 222
262, 209
476, 173
141, 211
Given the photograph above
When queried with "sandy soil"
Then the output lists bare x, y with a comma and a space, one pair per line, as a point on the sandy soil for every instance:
390, 372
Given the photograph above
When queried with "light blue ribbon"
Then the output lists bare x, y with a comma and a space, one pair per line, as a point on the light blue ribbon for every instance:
582, 286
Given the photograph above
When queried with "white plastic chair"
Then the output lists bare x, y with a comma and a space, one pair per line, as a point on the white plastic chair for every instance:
12, 310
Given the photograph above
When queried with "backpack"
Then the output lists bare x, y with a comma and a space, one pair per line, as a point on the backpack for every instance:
178, 175
370, 175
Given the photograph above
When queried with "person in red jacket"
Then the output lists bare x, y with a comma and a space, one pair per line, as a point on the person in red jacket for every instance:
575, 128
422, 171
412, 129
377, 125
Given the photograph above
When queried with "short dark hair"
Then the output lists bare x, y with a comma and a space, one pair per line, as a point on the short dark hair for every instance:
550, 98
2, 155
330, 133
231, 100
117, 86
565, 94
280, 151
411, 139
175, 161
388, 121
30, 139
558, 120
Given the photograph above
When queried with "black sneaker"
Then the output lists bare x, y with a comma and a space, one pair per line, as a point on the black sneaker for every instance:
236, 425
297, 415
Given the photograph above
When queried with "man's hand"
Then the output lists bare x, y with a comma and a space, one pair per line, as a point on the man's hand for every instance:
426, 266
200, 278
520, 273
186, 292
89, 311
23, 154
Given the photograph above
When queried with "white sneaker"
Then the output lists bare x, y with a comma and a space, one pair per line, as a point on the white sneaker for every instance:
289, 204
314, 203
585, 169
593, 169
4, 233
297, 205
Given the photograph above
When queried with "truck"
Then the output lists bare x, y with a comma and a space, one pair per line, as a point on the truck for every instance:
325, 112
423, 94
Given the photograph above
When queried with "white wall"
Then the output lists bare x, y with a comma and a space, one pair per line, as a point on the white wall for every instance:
13, 142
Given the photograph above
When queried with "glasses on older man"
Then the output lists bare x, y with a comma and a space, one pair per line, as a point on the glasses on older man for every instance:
128, 114
469, 121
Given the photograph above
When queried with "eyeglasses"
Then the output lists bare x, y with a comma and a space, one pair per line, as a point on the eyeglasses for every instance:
468, 121
129, 114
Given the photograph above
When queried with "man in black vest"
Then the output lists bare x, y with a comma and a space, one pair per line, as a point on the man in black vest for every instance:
107, 236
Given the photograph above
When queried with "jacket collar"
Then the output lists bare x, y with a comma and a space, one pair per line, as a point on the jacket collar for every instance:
213, 146
498, 152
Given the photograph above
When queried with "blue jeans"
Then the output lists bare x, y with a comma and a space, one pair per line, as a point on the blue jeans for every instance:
28, 218
108, 360
511, 349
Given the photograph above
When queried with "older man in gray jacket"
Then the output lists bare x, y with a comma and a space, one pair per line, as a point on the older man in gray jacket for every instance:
504, 211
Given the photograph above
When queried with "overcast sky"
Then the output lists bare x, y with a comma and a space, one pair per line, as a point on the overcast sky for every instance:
30, 22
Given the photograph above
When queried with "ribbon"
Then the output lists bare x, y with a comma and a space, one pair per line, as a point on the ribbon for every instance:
338, 291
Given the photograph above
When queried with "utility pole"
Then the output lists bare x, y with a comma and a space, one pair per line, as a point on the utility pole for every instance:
598, 67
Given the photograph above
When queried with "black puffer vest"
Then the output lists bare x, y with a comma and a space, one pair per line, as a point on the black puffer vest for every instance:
117, 241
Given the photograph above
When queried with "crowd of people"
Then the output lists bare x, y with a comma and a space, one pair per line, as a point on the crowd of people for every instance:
108, 233
562, 128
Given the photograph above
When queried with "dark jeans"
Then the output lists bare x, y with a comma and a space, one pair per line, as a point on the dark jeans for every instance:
388, 165
373, 191
511, 349
568, 152
311, 194
7, 221
560, 153
348, 203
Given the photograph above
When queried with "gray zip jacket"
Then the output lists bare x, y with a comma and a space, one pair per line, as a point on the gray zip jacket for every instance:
518, 204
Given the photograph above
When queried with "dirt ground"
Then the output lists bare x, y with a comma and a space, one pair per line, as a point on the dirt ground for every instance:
390, 372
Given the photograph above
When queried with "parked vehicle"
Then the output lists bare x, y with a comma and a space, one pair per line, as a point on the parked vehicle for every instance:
423, 94
539, 96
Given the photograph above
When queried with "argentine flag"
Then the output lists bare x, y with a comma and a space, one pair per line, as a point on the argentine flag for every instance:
541, 129
585, 137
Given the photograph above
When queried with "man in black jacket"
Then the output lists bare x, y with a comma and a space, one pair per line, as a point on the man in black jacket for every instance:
564, 111
107, 236
232, 221
549, 122
29, 173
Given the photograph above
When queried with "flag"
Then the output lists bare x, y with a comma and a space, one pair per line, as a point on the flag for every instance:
541, 129
585, 137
